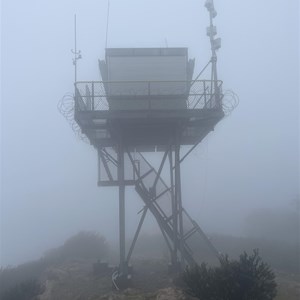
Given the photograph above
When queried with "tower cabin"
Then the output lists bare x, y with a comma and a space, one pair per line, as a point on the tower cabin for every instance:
146, 98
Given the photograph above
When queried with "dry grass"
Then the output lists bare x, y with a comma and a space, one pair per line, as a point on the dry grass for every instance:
288, 286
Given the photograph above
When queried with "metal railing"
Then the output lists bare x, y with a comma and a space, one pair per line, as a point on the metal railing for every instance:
101, 95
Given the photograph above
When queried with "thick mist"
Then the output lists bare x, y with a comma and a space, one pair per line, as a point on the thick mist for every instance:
243, 177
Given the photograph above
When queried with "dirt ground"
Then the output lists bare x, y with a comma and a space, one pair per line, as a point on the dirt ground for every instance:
74, 280
288, 286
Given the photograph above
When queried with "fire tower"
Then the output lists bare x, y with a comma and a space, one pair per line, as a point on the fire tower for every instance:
148, 101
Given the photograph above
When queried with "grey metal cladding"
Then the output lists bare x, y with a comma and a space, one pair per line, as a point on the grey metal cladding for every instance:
146, 52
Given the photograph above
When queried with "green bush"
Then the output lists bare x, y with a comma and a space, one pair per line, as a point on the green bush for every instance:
26, 290
279, 255
84, 245
246, 279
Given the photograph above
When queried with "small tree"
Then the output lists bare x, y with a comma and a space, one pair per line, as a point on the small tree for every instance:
249, 278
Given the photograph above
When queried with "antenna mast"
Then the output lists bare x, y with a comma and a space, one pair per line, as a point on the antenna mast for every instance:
77, 54
107, 23
215, 42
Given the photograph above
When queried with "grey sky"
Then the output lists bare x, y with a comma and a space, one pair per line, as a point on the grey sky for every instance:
48, 176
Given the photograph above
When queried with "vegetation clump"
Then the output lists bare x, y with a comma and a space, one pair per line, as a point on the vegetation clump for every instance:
18, 282
248, 278
26, 290
83, 245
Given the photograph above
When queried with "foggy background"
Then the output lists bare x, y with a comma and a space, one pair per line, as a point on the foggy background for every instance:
248, 165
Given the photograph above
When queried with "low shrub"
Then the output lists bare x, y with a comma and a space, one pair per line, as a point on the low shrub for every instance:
248, 278
84, 245
26, 290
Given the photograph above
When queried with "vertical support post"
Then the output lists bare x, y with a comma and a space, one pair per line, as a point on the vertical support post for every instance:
99, 165
204, 92
123, 267
149, 94
76, 98
75, 49
178, 197
174, 211
93, 96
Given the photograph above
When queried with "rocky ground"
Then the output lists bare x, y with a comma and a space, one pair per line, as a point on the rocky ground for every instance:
75, 280
68, 272
288, 286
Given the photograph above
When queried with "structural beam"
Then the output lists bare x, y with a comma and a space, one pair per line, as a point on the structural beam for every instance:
174, 211
136, 234
178, 198
123, 265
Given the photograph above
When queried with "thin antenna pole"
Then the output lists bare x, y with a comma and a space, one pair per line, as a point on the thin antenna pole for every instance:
107, 23
75, 52
166, 42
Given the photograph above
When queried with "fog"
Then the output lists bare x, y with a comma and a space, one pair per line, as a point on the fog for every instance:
249, 163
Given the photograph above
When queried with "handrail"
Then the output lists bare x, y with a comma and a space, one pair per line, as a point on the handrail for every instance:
198, 94
133, 81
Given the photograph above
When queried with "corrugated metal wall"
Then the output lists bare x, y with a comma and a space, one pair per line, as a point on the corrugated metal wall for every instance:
147, 68
143, 72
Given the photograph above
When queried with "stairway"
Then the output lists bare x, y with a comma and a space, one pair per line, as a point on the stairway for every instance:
157, 197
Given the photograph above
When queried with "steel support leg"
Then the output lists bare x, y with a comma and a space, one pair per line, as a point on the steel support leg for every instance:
178, 199
174, 212
123, 266
137, 234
